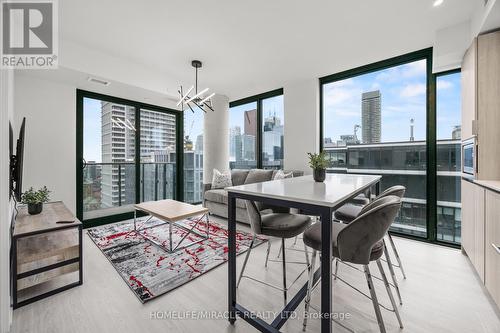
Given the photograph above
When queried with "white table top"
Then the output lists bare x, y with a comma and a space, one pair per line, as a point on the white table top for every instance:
336, 188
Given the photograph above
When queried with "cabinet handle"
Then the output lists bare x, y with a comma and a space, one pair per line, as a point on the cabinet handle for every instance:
496, 248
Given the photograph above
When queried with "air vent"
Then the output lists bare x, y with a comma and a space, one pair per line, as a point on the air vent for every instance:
98, 81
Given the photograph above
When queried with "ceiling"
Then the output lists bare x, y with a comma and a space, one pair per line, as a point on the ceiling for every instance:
249, 47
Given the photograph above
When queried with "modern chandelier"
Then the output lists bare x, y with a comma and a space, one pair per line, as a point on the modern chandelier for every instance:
199, 99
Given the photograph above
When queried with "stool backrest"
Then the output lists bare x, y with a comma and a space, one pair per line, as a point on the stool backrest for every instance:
254, 215
397, 190
356, 240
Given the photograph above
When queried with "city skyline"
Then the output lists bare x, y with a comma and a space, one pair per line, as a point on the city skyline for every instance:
403, 90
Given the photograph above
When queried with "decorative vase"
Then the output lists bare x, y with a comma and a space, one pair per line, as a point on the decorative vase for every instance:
35, 208
319, 175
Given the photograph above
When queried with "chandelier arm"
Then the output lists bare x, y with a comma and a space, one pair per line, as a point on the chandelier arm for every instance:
209, 106
190, 107
199, 106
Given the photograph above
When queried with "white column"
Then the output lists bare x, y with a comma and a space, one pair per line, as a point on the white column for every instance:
216, 138
301, 102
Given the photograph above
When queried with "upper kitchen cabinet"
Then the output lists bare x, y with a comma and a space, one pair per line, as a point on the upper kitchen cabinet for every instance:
481, 102
469, 90
488, 106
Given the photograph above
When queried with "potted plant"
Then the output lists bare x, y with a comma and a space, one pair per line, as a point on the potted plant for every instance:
35, 199
318, 163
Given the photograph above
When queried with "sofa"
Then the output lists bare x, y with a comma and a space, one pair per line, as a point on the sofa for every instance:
216, 199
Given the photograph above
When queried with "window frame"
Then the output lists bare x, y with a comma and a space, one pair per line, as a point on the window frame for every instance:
435, 78
431, 140
179, 169
258, 100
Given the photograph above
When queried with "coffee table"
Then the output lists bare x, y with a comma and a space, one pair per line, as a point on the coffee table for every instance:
170, 212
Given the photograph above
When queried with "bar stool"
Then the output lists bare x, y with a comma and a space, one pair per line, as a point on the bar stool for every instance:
281, 225
359, 242
349, 212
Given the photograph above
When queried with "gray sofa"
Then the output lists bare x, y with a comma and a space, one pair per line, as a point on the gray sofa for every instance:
216, 199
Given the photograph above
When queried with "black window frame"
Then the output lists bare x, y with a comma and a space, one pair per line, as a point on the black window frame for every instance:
431, 142
179, 169
258, 100
435, 77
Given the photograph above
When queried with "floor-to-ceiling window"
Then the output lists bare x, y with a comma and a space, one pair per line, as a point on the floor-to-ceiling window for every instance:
256, 131
126, 153
375, 120
448, 134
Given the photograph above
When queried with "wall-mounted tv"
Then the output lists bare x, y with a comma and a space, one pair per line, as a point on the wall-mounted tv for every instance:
16, 162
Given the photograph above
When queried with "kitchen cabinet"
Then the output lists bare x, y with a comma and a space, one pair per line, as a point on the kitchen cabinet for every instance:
473, 224
492, 243
469, 90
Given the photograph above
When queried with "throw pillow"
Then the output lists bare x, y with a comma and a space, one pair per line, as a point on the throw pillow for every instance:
258, 176
221, 179
280, 174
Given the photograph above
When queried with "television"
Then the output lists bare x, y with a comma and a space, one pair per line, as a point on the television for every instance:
16, 162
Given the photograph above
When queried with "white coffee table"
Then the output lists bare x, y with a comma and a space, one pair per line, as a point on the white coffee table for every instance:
170, 212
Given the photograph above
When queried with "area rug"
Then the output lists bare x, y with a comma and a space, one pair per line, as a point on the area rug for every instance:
151, 271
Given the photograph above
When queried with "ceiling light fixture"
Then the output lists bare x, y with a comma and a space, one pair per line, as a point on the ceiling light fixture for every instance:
197, 100
98, 81
438, 3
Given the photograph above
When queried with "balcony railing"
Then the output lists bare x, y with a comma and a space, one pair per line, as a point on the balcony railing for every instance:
405, 163
111, 185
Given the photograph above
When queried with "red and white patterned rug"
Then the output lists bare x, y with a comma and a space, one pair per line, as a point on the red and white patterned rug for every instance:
151, 271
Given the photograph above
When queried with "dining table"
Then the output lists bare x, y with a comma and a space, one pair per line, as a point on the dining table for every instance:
310, 197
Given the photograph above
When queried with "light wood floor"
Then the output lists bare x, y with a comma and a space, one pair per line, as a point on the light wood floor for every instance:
441, 294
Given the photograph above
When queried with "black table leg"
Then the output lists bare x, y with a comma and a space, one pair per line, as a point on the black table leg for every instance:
326, 270
232, 257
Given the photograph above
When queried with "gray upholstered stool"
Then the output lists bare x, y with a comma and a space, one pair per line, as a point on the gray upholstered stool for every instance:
349, 212
359, 242
281, 225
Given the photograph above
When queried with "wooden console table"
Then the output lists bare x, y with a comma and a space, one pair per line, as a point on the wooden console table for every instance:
46, 254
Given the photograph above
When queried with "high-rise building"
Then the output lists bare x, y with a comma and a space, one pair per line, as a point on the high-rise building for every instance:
247, 147
456, 134
250, 123
234, 132
199, 143
371, 116
118, 147
272, 140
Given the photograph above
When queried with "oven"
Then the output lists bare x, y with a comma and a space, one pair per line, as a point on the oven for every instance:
469, 157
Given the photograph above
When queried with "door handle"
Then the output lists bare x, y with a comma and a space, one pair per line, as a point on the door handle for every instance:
496, 248
84, 163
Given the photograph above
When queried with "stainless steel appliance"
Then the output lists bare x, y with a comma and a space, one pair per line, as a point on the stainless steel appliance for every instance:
469, 157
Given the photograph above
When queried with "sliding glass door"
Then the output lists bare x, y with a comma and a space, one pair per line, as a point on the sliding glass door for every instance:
127, 152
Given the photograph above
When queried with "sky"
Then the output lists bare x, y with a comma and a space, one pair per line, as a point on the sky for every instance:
403, 94
92, 130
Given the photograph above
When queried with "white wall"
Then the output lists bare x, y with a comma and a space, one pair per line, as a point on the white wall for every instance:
6, 114
50, 153
301, 130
